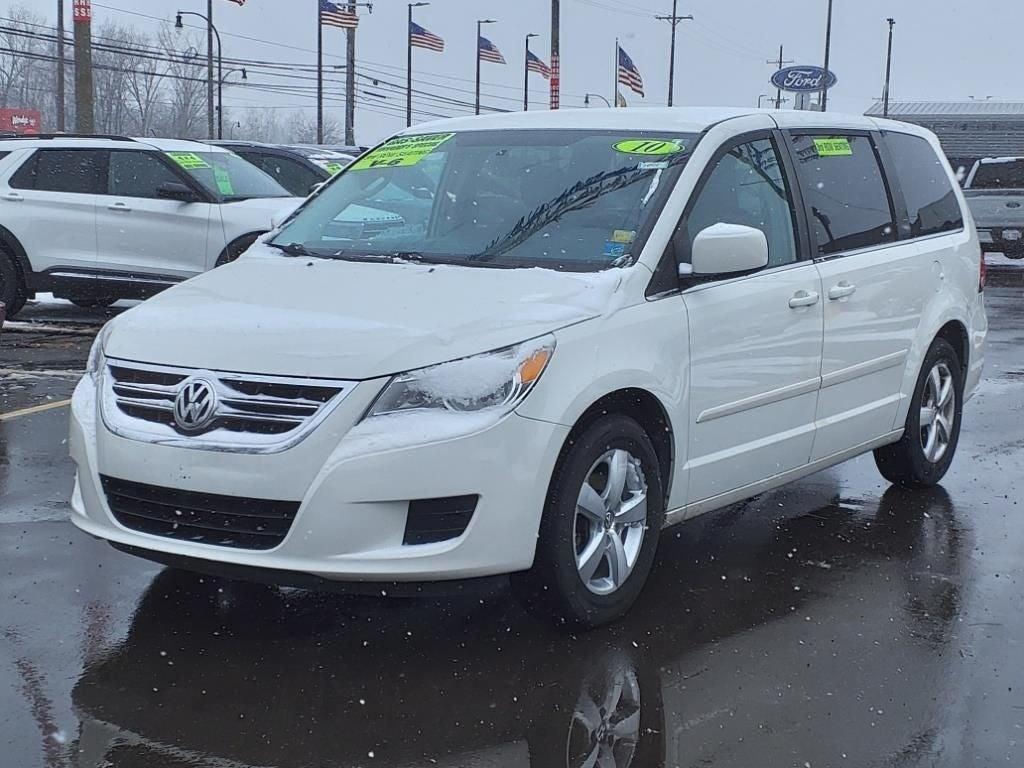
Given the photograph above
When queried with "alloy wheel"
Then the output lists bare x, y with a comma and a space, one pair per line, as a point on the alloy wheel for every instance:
938, 413
605, 730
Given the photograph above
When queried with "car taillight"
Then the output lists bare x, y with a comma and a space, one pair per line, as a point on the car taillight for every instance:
982, 273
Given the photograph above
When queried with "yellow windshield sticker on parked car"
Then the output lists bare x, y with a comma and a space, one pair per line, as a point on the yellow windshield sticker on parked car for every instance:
648, 147
190, 161
334, 168
223, 179
834, 147
401, 151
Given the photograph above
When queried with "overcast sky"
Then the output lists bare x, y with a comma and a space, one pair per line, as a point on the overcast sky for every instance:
943, 50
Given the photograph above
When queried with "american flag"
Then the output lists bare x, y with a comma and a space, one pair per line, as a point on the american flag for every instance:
421, 38
534, 64
629, 75
489, 52
333, 15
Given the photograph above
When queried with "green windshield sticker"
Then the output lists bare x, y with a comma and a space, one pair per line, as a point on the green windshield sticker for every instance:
223, 179
648, 147
401, 151
333, 168
190, 161
835, 147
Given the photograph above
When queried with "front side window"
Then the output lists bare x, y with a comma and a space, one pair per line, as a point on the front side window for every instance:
228, 177
62, 170
560, 199
847, 201
137, 174
932, 205
747, 187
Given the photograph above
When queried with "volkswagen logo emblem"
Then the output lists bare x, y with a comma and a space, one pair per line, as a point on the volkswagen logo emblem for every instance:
195, 405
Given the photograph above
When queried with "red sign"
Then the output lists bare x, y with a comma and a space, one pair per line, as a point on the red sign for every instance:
20, 121
83, 11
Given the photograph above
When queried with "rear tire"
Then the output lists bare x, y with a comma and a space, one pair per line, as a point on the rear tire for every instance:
13, 290
922, 456
599, 533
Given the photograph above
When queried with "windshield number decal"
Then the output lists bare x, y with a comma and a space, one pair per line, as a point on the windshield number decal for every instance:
648, 147
223, 179
190, 161
401, 151
834, 147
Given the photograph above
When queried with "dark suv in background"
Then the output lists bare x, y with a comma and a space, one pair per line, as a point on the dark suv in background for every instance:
297, 169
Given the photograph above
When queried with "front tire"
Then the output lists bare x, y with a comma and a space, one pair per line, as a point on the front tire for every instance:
922, 456
599, 533
13, 291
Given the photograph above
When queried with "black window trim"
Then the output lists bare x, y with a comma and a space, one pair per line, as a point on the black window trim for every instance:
890, 163
897, 207
671, 259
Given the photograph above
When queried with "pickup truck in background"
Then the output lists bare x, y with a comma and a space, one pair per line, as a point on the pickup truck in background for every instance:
995, 194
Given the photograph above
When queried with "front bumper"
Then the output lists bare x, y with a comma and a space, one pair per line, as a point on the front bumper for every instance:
353, 503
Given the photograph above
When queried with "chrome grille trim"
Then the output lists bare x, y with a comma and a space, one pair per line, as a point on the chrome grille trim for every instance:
255, 413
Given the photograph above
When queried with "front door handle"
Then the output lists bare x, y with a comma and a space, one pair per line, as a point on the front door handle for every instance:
13, 197
841, 291
119, 207
803, 299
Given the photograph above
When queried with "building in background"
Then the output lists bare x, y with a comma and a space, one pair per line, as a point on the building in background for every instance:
968, 130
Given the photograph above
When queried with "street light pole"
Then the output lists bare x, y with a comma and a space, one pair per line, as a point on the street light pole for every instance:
479, 31
526, 75
586, 99
759, 98
408, 65
888, 70
674, 20
211, 32
828, 51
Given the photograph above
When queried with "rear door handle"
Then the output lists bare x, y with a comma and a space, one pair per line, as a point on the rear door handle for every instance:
803, 299
120, 207
841, 291
13, 197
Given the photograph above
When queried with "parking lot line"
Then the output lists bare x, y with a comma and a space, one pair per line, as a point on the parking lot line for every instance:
34, 409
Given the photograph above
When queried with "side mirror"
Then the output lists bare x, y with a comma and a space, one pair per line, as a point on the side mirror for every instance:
173, 190
726, 249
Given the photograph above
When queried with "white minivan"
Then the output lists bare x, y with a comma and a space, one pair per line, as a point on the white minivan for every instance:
588, 325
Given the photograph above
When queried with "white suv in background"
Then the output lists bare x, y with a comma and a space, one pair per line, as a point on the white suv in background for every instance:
95, 219
596, 324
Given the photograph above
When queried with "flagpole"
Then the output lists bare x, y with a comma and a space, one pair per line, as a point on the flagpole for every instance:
350, 81
479, 26
615, 80
319, 75
408, 71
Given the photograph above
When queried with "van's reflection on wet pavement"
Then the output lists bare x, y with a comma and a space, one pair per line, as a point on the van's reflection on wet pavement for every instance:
835, 622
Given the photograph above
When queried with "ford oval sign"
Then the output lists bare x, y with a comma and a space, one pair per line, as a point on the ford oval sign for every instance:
804, 79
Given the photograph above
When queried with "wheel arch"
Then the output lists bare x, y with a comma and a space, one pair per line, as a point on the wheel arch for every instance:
647, 410
251, 237
955, 332
10, 243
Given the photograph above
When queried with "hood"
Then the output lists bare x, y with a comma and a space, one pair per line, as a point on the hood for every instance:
270, 314
260, 212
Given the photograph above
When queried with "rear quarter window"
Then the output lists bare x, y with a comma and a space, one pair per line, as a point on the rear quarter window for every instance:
932, 204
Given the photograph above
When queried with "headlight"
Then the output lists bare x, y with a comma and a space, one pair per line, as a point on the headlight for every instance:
95, 361
495, 381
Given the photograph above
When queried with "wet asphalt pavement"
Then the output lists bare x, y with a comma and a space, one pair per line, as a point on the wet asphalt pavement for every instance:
835, 622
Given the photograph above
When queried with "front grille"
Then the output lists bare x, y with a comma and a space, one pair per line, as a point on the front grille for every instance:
253, 413
433, 520
200, 518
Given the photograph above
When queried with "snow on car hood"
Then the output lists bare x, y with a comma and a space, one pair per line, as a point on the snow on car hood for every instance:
259, 213
270, 314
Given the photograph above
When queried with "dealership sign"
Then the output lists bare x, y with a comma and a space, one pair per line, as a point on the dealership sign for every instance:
82, 11
20, 121
804, 79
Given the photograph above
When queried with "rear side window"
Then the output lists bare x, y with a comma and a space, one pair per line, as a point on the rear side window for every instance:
290, 174
932, 204
62, 170
847, 201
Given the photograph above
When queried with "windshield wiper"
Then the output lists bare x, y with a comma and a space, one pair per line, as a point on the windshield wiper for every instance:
297, 251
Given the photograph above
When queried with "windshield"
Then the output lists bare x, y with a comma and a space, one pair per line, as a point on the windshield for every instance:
227, 176
999, 174
573, 200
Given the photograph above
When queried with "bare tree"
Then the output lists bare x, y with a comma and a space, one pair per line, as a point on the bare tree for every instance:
262, 125
145, 87
301, 129
186, 76
24, 59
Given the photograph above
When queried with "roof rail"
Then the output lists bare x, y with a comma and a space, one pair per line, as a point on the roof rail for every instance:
52, 136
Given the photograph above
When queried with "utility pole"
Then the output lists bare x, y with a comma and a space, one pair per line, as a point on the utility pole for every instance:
780, 63
888, 70
350, 80
61, 116
674, 20
84, 115
209, 68
319, 76
556, 66
828, 52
